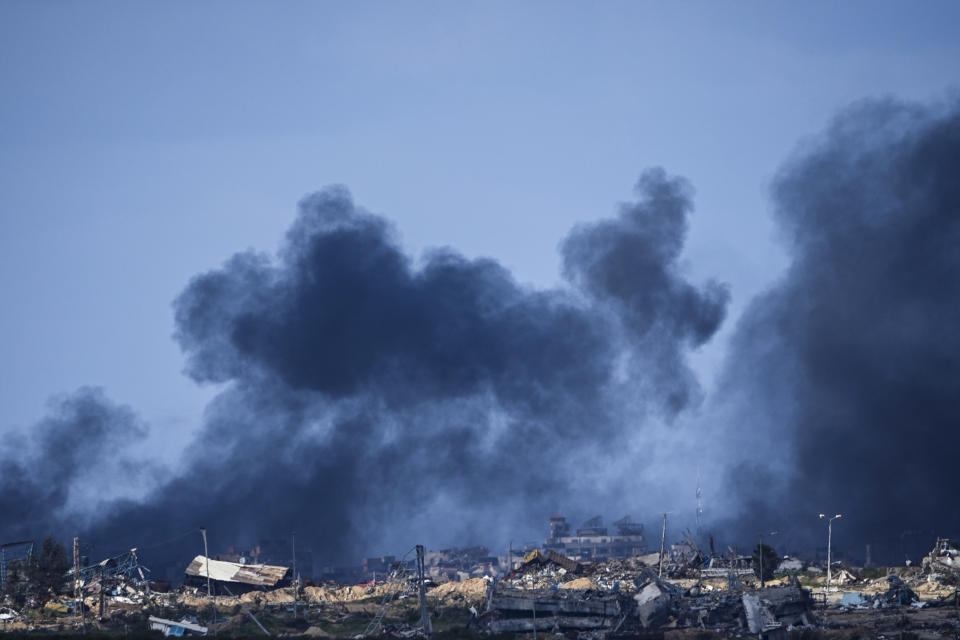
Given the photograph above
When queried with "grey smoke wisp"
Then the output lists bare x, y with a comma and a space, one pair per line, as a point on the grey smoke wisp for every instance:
81, 443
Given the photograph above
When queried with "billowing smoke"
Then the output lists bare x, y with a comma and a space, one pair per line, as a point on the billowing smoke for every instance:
372, 401
844, 378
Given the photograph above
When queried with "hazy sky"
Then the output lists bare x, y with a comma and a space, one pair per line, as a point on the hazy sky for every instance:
144, 143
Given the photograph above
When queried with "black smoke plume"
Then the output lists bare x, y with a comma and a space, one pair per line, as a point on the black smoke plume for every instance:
845, 375
372, 401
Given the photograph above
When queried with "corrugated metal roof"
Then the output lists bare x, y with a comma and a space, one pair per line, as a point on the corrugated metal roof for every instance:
263, 575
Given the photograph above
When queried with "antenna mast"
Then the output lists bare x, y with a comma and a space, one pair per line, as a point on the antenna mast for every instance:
699, 505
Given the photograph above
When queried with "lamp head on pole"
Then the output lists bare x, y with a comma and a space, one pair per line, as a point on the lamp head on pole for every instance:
839, 515
822, 516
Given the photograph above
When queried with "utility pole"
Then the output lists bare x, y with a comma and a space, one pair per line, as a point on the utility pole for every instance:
699, 505
78, 585
760, 550
663, 540
829, 541
206, 558
102, 593
424, 616
296, 581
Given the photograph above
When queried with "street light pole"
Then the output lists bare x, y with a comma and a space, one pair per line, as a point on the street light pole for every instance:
296, 580
206, 559
829, 542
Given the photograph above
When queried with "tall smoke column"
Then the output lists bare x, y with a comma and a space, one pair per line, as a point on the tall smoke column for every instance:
847, 371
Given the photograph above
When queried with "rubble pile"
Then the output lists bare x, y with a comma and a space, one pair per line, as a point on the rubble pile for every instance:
538, 572
639, 596
542, 571
942, 564
649, 604
899, 593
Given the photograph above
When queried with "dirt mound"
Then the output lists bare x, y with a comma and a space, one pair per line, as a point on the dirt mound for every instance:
317, 632
279, 595
317, 595
195, 602
579, 583
470, 591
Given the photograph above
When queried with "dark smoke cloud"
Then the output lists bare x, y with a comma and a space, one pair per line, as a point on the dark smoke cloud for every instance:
80, 443
845, 375
372, 401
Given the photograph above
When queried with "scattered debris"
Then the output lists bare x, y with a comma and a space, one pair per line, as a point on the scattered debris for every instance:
548, 593
943, 561
184, 627
899, 593
854, 599
6, 613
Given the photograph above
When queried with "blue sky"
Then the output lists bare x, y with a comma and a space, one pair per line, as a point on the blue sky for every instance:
144, 143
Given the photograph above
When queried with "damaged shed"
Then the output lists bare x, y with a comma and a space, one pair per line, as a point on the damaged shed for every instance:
234, 576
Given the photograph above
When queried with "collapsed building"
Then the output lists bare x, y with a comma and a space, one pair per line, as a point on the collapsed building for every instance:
459, 564
637, 601
593, 542
453, 564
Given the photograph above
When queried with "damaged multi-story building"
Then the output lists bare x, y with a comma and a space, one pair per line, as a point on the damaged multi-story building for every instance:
460, 563
593, 541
